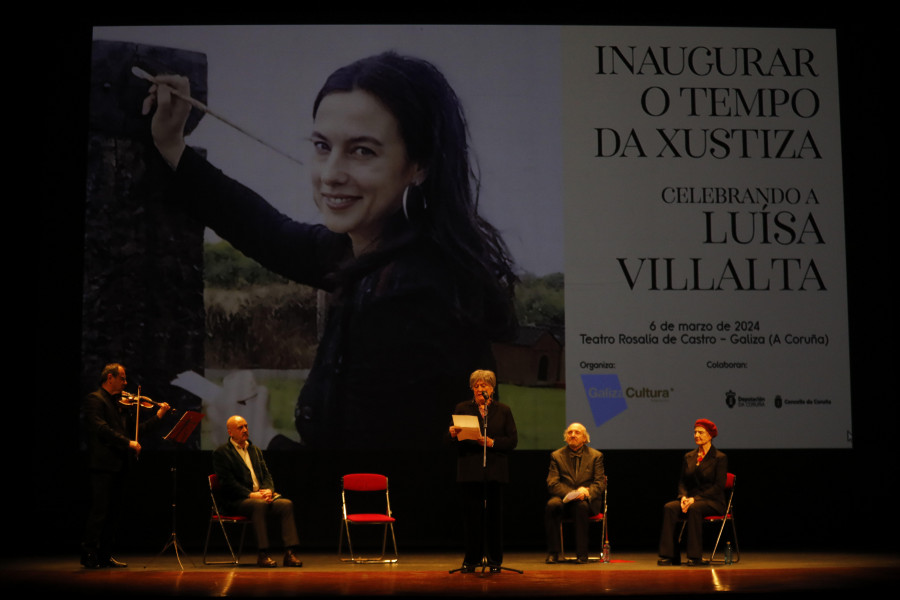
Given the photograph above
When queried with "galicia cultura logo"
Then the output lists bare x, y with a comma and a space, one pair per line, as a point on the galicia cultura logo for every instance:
604, 396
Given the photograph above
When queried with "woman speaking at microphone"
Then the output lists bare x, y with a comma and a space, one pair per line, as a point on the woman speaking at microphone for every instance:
482, 467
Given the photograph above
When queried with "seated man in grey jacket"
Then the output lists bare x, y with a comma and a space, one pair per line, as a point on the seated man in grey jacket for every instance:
576, 482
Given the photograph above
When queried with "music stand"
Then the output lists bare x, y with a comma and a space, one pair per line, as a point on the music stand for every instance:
179, 434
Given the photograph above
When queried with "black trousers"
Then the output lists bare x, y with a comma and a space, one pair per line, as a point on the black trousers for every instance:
105, 514
693, 532
577, 510
482, 505
280, 511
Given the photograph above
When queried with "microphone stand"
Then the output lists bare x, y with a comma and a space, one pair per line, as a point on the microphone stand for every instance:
487, 404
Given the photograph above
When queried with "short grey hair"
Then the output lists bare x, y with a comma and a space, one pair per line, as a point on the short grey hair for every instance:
483, 375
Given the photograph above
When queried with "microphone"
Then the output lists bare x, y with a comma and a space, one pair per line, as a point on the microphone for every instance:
487, 402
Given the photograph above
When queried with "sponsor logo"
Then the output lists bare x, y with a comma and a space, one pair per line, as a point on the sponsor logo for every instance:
730, 399
791, 402
604, 395
733, 399
607, 398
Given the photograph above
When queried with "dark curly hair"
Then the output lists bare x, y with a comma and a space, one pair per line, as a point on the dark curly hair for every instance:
434, 130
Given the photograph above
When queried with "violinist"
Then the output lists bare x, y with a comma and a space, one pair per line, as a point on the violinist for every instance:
109, 422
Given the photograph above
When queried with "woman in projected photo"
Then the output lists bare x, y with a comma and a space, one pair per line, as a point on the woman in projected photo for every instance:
701, 492
421, 283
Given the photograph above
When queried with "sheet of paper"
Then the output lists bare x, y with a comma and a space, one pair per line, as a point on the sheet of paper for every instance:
470, 427
466, 421
573, 495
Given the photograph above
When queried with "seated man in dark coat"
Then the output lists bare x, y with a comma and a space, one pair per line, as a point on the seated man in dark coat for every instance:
576, 482
246, 488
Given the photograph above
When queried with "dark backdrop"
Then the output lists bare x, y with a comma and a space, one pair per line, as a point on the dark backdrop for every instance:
815, 499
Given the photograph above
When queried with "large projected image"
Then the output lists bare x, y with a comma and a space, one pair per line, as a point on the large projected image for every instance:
671, 199
407, 364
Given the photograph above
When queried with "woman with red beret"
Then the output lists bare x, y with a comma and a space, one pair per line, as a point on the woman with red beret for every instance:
701, 492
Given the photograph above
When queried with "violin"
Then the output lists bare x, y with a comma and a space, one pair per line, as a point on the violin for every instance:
131, 400
138, 401
145, 402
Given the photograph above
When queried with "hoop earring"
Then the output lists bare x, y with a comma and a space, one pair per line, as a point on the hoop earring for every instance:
414, 203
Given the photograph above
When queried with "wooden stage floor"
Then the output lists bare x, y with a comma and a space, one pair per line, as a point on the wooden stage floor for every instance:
628, 575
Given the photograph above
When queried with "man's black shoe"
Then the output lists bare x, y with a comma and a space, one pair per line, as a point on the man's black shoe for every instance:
89, 558
697, 562
265, 561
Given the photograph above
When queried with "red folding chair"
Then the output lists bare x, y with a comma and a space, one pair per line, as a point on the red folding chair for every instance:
727, 517
354, 486
722, 520
598, 518
216, 517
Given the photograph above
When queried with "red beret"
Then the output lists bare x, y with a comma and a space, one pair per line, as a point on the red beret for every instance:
708, 426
